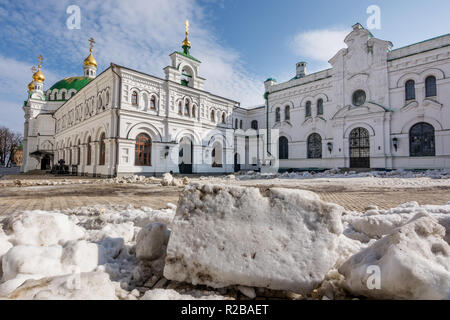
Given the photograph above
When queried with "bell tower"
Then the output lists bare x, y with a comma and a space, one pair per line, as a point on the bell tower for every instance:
184, 68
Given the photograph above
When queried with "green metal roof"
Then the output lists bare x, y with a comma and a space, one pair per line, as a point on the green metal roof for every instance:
76, 83
188, 56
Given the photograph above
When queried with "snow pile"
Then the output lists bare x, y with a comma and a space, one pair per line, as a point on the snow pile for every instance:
43, 252
337, 173
376, 223
83, 286
413, 263
96, 217
129, 179
42, 228
279, 239
169, 180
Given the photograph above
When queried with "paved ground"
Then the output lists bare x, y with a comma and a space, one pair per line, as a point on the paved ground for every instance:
352, 194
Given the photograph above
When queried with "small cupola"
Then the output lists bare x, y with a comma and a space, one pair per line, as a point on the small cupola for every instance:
90, 64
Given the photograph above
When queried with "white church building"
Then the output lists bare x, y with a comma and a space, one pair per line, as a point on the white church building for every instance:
375, 108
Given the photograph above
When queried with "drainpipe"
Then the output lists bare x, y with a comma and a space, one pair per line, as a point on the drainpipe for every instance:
116, 167
266, 97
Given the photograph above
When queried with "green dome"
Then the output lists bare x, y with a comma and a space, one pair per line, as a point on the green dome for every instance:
76, 83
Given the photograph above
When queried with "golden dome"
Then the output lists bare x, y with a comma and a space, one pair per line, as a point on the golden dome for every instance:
90, 60
38, 76
31, 86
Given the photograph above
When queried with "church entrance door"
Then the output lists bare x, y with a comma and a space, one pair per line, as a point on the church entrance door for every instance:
359, 148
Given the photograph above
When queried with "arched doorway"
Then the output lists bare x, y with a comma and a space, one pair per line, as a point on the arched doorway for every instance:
185, 155
422, 140
237, 162
283, 148
359, 148
216, 155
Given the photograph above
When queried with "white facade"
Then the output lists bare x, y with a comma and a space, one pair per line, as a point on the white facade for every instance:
208, 134
186, 125
370, 65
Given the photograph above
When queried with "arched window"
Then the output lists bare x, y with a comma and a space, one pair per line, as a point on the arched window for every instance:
72, 94
283, 148
277, 115
421, 140
430, 87
240, 124
287, 113
186, 108
100, 102
56, 96
153, 102
308, 109
410, 90
314, 146
63, 96
193, 111
223, 118
236, 124
143, 149
102, 155
213, 118
254, 125
320, 107
89, 152
180, 108
134, 98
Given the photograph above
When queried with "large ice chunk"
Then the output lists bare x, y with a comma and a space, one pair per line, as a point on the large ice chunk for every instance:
151, 241
280, 239
42, 228
412, 263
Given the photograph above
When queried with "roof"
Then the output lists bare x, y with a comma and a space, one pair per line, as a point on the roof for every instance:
76, 83
187, 55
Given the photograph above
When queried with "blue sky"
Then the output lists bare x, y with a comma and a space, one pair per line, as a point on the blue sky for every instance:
240, 42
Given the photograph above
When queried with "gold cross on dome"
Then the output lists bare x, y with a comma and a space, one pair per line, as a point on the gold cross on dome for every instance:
40, 58
91, 40
187, 27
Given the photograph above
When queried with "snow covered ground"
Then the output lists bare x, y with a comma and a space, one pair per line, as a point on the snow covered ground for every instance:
116, 252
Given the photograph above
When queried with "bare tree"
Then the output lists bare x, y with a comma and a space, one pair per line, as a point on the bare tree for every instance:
9, 144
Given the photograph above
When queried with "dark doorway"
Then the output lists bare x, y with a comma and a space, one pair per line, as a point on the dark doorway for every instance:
185, 156
359, 148
237, 165
45, 162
